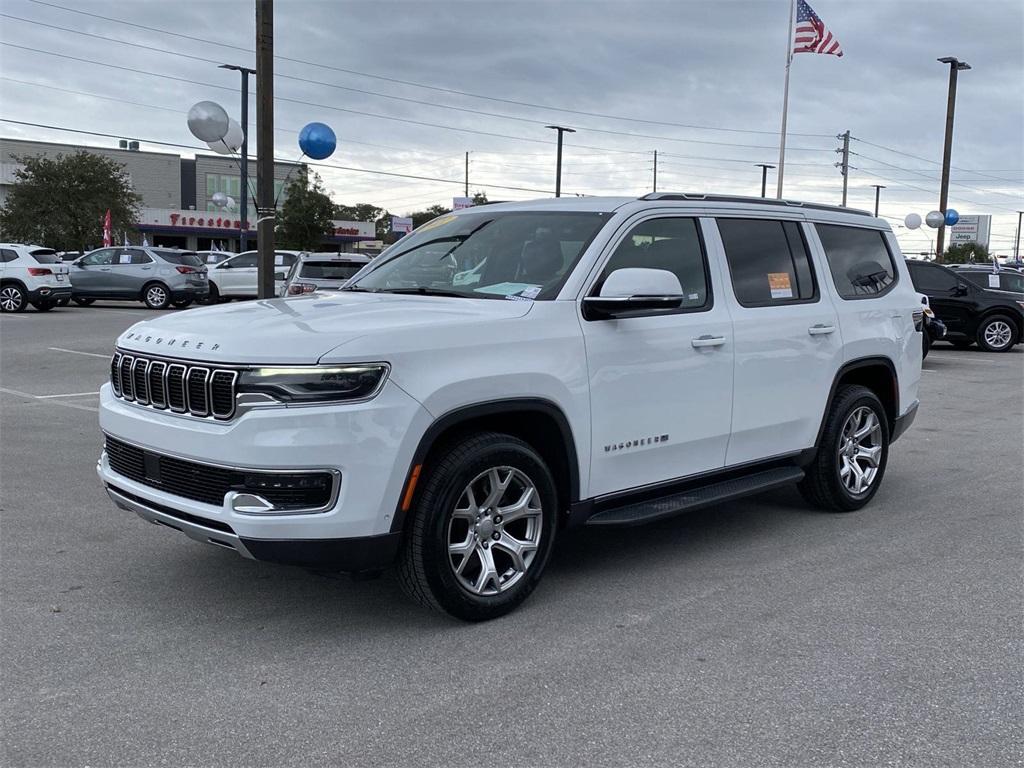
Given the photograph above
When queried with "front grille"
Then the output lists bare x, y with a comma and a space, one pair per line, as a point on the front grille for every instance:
181, 387
209, 484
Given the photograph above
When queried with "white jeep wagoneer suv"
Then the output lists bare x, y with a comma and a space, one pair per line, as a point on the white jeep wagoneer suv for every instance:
509, 371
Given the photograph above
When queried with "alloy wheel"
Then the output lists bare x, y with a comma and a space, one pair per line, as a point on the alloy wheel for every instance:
998, 334
11, 298
860, 450
156, 296
494, 531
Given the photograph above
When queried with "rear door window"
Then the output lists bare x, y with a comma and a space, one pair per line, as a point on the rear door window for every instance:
930, 278
98, 258
239, 262
768, 262
6, 254
859, 259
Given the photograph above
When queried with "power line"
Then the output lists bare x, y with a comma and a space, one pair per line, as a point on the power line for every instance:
923, 159
418, 102
315, 164
413, 84
929, 178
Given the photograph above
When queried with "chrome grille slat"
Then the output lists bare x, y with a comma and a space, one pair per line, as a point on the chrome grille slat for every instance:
199, 390
139, 384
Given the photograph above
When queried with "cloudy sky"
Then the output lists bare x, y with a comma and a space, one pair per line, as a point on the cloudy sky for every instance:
410, 87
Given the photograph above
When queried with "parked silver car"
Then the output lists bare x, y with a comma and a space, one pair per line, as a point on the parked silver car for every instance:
159, 277
318, 271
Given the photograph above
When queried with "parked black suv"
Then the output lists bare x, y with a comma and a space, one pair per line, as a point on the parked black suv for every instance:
984, 277
994, 319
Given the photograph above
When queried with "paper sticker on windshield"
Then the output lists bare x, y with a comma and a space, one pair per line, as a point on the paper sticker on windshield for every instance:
993, 281
440, 220
780, 286
278, 260
530, 293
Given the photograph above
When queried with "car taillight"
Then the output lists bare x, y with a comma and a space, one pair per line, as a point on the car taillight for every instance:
185, 270
39, 271
297, 289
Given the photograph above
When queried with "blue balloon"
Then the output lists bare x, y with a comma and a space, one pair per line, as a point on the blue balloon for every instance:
952, 217
317, 141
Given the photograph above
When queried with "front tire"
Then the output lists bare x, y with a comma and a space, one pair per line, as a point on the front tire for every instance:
997, 334
156, 296
82, 301
853, 453
44, 306
64, 302
182, 303
213, 297
482, 530
12, 298
926, 344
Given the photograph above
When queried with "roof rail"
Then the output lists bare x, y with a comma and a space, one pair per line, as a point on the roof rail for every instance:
697, 197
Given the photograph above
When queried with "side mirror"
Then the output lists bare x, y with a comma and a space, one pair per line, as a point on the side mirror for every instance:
960, 290
224, 265
634, 289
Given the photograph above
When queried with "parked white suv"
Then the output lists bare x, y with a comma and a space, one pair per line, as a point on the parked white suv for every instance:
508, 371
236, 277
31, 274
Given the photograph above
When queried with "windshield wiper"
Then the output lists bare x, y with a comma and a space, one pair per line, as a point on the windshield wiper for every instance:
422, 291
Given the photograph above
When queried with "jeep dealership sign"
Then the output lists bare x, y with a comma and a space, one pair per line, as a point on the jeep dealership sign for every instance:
971, 229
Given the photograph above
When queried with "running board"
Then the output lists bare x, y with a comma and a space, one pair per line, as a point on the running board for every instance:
642, 512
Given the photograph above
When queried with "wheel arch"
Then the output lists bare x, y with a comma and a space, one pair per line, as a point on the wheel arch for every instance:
15, 281
537, 421
877, 374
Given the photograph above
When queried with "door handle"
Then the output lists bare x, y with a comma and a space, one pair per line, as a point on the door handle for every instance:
104, 269
147, 268
820, 329
708, 341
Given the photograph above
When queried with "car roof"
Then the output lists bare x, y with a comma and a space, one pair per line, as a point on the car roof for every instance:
689, 200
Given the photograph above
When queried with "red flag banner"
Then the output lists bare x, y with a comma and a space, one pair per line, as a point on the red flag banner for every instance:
108, 235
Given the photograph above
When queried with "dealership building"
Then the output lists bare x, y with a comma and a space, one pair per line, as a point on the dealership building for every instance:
177, 208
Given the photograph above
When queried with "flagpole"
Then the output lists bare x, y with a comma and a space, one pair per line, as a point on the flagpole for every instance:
785, 100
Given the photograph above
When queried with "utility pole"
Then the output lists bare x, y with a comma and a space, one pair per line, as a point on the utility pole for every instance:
558, 161
878, 190
467, 175
243, 168
955, 66
1016, 244
764, 176
655, 189
265, 204
844, 166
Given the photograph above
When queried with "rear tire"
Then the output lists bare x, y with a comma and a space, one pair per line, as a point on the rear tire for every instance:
482, 528
854, 449
82, 301
997, 334
156, 296
12, 298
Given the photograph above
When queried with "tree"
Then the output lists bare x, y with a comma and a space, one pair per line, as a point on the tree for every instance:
422, 217
307, 214
964, 253
480, 198
60, 202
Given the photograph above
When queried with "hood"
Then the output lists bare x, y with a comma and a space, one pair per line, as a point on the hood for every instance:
302, 329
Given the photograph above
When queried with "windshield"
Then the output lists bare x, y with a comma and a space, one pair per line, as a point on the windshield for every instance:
486, 255
329, 270
179, 257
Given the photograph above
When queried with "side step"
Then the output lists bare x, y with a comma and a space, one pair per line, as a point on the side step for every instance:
642, 512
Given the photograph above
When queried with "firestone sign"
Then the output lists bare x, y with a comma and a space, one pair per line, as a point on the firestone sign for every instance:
171, 219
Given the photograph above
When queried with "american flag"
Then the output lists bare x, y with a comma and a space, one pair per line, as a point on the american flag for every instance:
811, 35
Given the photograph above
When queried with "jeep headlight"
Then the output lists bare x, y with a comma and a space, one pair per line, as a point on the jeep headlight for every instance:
314, 384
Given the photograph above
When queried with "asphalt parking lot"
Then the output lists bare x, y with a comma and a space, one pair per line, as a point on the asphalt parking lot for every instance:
759, 633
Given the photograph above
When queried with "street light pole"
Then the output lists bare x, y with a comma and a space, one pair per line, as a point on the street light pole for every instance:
265, 205
1016, 243
955, 66
243, 168
558, 161
764, 176
878, 189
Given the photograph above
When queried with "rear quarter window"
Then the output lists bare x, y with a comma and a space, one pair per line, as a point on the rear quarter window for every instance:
860, 261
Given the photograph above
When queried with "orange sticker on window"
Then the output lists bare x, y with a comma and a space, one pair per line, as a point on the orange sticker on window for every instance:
780, 286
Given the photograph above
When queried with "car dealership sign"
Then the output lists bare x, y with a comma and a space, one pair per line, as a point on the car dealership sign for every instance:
971, 229
171, 219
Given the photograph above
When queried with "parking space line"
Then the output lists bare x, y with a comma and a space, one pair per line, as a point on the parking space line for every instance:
72, 394
76, 352
76, 406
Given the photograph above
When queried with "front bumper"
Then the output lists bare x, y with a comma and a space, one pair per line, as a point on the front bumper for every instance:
353, 555
371, 444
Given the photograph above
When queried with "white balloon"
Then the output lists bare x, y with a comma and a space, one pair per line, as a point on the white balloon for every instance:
232, 140
219, 147
219, 199
230, 204
935, 219
208, 121
913, 221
